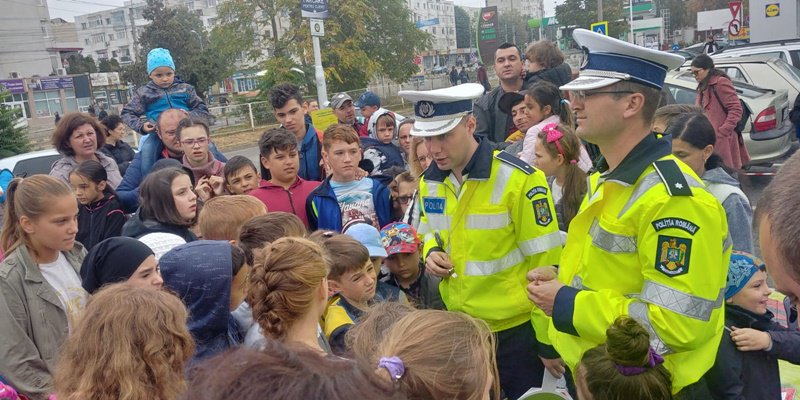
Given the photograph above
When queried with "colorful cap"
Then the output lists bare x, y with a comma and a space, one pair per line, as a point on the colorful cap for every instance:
742, 267
367, 235
159, 57
399, 237
607, 61
368, 99
339, 99
438, 111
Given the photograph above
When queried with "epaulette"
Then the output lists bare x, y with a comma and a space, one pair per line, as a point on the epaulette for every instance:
515, 162
673, 178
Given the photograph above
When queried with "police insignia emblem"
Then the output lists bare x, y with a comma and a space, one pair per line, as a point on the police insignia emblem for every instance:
426, 109
541, 209
584, 57
672, 255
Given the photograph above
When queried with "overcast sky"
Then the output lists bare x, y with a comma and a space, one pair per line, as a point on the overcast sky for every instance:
68, 9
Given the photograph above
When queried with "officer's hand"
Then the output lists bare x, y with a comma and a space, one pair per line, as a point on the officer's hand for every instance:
542, 274
438, 264
747, 339
543, 294
555, 366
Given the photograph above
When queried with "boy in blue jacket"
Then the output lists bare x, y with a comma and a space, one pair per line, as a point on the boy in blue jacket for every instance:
342, 198
163, 91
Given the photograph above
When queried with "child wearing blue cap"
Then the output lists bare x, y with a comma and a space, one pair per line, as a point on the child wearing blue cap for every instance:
747, 361
164, 91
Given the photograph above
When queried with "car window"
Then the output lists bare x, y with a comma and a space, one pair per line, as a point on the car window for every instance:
795, 57
788, 69
681, 95
37, 165
735, 74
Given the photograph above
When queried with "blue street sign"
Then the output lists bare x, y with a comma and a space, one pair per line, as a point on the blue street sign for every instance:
676, 47
427, 22
600, 27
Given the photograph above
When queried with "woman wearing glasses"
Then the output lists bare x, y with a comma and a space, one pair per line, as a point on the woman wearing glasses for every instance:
717, 97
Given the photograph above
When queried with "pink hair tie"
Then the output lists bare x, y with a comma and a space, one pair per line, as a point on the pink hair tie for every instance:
554, 136
573, 161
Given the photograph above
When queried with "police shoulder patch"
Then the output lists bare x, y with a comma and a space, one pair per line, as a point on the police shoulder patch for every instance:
673, 178
515, 162
541, 210
536, 190
672, 255
676, 223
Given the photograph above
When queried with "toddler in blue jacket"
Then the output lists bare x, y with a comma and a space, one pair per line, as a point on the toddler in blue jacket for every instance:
164, 91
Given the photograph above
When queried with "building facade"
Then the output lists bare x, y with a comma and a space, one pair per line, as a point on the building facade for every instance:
436, 17
528, 8
26, 39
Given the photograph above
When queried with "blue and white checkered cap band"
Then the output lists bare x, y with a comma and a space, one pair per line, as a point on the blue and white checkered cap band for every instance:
430, 111
636, 69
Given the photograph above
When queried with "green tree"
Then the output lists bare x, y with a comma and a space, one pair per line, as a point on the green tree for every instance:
109, 65
12, 140
363, 38
582, 13
464, 29
181, 32
513, 28
79, 64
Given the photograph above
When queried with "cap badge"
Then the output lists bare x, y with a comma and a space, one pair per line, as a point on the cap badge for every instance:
426, 109
584, 57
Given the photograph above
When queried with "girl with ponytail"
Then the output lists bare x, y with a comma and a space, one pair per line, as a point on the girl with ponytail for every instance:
545, 107
693, 142
626, 367
40, 289
557, 152
288, 291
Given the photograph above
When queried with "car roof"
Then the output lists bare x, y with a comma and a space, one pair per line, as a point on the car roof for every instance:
773, 44
10, 162
743, 59
684, 74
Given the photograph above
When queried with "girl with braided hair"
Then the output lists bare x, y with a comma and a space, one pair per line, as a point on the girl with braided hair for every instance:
288, 291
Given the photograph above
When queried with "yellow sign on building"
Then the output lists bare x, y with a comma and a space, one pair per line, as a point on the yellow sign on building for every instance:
773, 10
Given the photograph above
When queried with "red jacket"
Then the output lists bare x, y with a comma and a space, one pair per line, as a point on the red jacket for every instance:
293, 201
730, 145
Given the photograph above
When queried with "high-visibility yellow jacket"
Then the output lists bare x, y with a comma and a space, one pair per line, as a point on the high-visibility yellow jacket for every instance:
496, 226
650, 242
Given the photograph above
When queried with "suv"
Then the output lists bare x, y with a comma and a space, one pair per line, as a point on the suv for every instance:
786, 50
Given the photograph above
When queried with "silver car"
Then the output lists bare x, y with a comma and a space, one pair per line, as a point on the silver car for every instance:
768, 136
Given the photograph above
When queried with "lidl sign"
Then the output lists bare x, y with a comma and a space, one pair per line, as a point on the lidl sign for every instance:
773, 10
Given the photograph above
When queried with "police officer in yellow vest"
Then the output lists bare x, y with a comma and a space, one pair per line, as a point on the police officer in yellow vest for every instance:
649, 241
487, 219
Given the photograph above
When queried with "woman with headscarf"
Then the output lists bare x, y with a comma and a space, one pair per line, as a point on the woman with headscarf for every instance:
120, 259
200, 273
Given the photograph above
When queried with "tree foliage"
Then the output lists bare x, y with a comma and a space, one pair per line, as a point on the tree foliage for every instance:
582, 13
79, 64
513, 28
363, 38
181, 32
12, 140
465, 31
109, 65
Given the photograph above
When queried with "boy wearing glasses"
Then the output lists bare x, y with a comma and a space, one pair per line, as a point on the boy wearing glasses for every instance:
649, 241
193, 136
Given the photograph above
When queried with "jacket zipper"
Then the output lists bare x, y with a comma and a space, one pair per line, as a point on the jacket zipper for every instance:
291, 201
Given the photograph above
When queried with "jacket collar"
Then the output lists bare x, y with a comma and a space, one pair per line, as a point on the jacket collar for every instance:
742, 318
35, 275
649, 150
479, 166
265, 184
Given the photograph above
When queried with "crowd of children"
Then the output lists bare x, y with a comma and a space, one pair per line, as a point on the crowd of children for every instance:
304, 276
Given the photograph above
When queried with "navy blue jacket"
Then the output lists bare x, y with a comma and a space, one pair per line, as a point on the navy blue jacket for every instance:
151, 151
151, 100
323, 209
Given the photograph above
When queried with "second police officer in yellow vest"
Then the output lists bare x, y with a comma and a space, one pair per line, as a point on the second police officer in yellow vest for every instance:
649, 241
487, 219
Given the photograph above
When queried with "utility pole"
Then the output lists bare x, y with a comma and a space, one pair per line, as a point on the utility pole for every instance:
599, 10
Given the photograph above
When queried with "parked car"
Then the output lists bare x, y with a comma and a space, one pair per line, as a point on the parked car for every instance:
786, 50
27, 164
440, 70
768, 136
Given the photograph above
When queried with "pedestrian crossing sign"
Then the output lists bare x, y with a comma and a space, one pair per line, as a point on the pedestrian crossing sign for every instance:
600, 27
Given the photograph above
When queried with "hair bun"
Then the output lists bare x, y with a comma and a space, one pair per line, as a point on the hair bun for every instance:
628, 342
